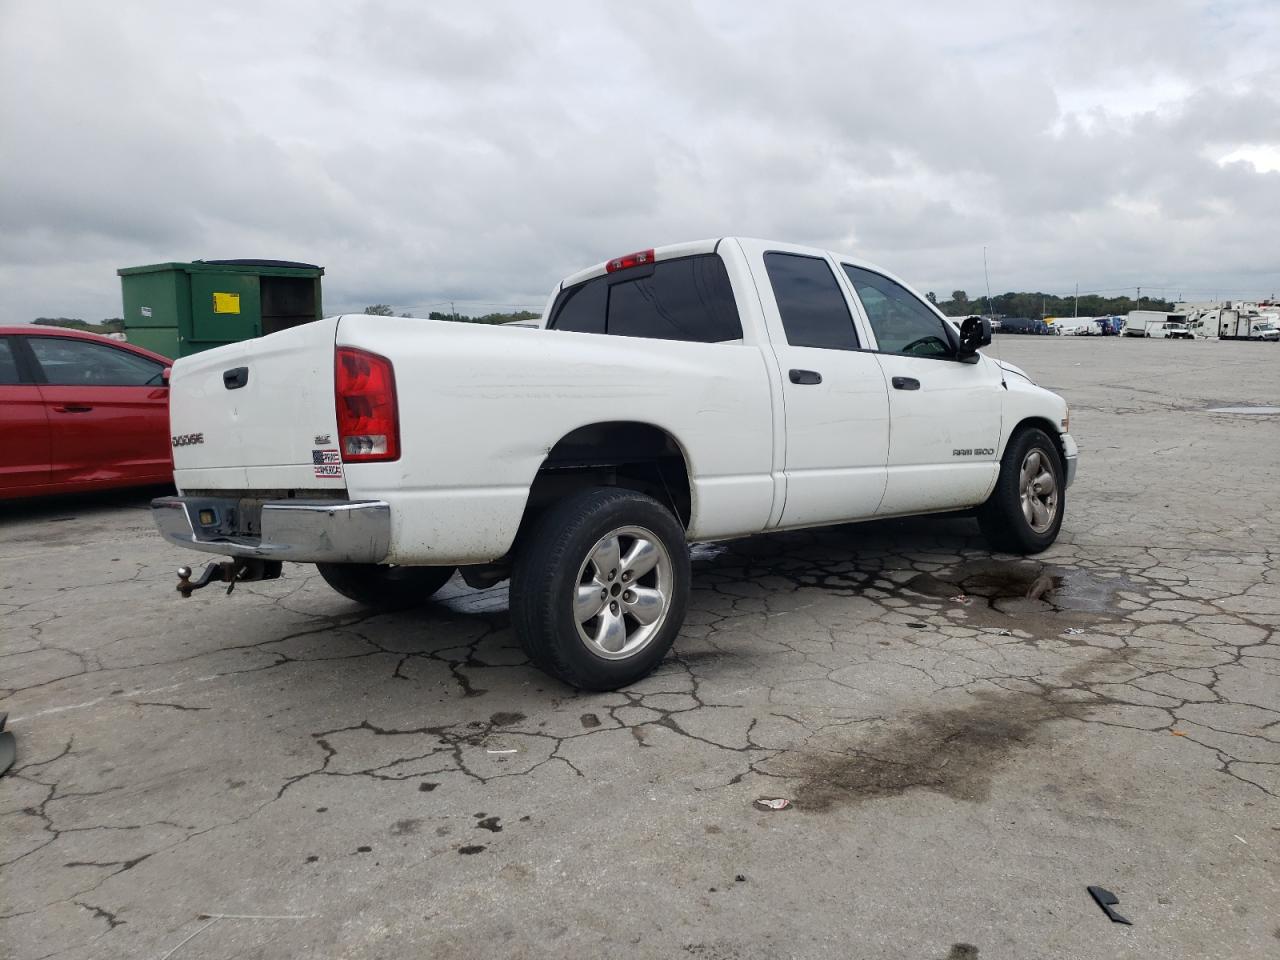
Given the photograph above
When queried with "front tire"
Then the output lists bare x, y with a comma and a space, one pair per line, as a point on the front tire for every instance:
384, 587
599, 588
1024, 512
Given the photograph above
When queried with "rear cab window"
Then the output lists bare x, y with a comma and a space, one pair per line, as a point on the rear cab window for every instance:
687, 298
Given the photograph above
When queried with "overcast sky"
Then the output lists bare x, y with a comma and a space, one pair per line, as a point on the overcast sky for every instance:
480, 151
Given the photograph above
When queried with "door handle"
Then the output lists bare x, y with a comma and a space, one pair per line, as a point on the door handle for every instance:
235, 378
72, 408
806, 376
906, 383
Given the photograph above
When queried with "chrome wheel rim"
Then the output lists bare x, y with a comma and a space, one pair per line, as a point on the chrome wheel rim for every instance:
1038, 489
623, 593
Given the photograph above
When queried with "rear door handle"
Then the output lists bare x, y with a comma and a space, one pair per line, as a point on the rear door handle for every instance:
906, 383
235, 378
806, 376
72, 408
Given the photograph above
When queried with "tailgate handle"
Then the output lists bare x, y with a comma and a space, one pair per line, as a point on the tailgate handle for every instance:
236, 378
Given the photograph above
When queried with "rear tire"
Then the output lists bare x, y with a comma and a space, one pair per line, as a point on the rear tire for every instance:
1024, 512
384, 587
599, 588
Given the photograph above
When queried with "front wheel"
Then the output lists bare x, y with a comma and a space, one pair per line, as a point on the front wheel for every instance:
1024, 512
384, 587
599, 588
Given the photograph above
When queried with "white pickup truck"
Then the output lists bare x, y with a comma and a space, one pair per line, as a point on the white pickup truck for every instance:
701, 391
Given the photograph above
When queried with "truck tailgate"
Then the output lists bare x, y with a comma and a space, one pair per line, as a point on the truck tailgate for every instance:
258, 415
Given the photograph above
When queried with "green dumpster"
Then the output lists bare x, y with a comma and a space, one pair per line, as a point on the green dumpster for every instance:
178, 309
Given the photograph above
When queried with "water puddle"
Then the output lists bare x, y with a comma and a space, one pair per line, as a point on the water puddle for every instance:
1024, 594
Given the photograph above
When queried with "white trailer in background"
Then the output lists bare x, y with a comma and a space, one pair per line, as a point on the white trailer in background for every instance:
1238, 325
1152, 323
1233, 320
1077, 326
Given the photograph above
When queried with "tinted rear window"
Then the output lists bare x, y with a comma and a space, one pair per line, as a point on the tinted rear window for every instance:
814, 311
686, 299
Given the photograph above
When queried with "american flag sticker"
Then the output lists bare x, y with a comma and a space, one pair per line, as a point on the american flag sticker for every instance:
327, 463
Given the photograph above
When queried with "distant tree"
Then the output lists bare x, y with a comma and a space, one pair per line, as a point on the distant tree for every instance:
380, 310
959, 296
110, 325
490, 318
932, 297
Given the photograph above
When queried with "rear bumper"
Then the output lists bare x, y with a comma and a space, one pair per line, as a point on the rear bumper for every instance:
315, 531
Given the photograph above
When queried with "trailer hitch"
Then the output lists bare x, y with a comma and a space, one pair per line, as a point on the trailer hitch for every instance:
233, 571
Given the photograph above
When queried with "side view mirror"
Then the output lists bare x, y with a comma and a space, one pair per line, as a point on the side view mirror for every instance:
975, 333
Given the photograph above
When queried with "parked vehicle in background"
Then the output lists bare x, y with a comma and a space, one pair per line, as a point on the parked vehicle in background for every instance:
1170, 330
1024, 325
79, 411
1238, 325
1077, 326
1150, 323
704, 391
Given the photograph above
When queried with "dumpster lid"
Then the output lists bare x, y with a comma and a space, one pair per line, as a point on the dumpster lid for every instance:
262, 263
279, 268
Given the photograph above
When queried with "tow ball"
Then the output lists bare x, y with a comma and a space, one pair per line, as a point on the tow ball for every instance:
230, 572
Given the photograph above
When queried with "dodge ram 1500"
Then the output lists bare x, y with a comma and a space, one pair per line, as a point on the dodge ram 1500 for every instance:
694, 392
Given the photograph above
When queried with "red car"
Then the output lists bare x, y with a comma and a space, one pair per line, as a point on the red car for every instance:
80, 412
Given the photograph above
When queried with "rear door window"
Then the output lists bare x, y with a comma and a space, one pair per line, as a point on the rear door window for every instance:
687, 299
814, 311
66, 362
8, 364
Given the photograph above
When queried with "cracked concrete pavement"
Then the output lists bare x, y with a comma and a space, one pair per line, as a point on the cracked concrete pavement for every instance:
407, 785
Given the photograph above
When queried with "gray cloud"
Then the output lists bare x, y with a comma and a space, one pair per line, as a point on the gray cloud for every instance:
480, 153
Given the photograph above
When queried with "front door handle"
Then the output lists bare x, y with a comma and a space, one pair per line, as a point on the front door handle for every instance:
72, 408
806, 376
235, 378
906, 383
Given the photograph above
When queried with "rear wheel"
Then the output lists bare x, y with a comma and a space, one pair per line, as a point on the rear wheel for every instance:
1024, 512
382, 586
599, 588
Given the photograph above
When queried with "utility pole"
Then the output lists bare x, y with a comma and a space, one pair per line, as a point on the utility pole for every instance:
453, 311
1139, 298
1077, 315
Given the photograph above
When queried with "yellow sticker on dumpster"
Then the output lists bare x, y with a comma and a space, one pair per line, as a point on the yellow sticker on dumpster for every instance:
226, 303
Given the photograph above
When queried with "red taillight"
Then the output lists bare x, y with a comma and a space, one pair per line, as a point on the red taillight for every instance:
638, 259
364, 388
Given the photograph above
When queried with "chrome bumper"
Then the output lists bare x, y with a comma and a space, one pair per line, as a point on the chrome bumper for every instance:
1071, 457
307, 531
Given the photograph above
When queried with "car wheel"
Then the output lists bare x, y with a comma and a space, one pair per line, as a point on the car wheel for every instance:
382, 586
599, 588
1024, 512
